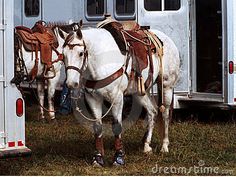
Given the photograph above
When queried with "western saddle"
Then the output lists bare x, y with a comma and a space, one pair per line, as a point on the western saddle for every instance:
39, 39
139, 43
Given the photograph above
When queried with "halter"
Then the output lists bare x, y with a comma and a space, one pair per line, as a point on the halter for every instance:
71, 47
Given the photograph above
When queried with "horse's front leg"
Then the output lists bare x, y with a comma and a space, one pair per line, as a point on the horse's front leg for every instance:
40, 92
168, 95
95, 103
51, 92
151, 113
117, 129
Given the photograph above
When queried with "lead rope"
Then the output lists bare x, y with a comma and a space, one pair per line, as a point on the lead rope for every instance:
99, 119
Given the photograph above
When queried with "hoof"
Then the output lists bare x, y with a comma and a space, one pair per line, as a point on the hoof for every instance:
42, 120
164, 149
53, 121
98, 161
147, 149
41, 117
119, 158
144, 139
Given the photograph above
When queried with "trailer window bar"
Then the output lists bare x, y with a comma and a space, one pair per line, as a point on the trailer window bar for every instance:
162, 5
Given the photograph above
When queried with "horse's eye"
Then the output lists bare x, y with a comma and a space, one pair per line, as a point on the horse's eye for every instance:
81, 54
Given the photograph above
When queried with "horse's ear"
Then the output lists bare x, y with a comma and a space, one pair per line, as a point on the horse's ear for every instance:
79, 33
81, 23
62, 33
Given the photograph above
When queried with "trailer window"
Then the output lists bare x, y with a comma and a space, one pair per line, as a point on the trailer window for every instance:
32, 8
161, 5
152, 5
172, 4
95, 7
125, 7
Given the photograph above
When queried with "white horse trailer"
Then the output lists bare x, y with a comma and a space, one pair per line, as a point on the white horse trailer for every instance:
203, 30
12, 117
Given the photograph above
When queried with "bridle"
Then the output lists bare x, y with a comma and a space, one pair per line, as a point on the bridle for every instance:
85, 53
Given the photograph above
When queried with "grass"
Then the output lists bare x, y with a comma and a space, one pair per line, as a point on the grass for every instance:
66, 148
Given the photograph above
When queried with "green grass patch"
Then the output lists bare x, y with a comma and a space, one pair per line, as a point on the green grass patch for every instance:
66, 148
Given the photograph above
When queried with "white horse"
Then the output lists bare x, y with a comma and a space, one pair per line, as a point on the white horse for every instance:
94, 53
27, 63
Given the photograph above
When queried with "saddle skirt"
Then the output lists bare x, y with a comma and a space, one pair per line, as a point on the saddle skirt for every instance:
38, 39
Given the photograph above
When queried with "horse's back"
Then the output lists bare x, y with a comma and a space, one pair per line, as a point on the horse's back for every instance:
100, 39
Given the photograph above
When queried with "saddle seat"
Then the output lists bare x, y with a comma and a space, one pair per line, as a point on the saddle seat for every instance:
39, 38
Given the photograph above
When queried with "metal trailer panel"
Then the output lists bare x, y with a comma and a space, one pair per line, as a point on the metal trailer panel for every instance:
60, 10
18, 10
14, 127
231, 38
2, 112
2, 128
176, 25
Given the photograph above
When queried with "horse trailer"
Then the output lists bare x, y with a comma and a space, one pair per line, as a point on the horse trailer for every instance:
12, 116
204, 32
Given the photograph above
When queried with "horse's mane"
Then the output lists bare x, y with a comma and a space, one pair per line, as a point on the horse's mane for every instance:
64, 26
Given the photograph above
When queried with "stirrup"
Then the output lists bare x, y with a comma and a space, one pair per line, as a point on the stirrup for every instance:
49, 68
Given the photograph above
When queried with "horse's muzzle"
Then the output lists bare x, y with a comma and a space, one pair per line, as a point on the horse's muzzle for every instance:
72, 85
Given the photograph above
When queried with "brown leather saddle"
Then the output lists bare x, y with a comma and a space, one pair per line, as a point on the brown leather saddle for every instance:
39, 38
140, 44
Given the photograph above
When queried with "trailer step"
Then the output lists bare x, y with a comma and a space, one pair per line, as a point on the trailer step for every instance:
23, 152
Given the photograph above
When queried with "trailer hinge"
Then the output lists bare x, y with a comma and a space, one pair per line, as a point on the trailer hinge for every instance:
189, 3
190, 32
190, 86
3, 135
2, 27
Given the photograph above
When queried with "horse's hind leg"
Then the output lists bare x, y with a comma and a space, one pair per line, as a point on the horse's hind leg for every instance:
95, 104
40, 92
51, 92
151, 113
168, 96
117, 130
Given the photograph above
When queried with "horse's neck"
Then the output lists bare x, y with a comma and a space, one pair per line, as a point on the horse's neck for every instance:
104, 56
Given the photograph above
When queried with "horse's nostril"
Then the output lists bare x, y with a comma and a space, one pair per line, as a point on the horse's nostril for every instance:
76, 85
69, 86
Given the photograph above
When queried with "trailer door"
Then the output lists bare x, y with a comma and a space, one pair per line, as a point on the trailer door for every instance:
172, 18
2, 106
230, 90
